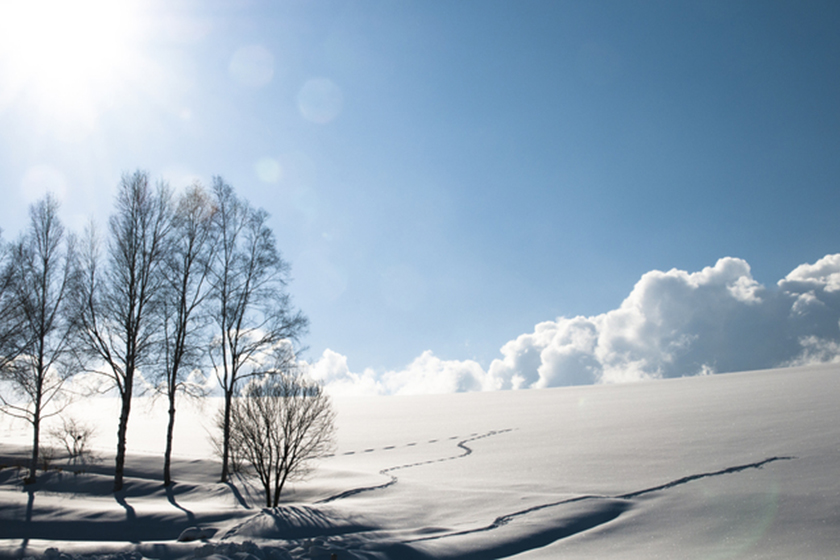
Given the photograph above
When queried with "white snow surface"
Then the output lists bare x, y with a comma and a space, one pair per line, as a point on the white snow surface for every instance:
742, 465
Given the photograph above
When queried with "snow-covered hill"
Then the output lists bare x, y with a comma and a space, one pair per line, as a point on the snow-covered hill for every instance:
728, 466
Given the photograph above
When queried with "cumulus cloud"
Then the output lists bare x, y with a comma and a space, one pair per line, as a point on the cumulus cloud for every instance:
672, 324
426, 374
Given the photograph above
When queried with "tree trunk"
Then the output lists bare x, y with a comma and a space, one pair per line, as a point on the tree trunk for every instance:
36, 423
281, 481
170, 430
36, 429
226, 436
121, 433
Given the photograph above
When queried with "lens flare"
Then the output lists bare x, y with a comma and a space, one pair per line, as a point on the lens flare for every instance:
268, 170
252, 66
320, 100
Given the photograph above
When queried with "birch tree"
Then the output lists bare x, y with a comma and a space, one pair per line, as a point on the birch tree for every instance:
282, 422
186, 270
252, 310
42, 268
11, 342
120, 316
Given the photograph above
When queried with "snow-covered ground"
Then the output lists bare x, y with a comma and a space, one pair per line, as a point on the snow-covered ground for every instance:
726, 466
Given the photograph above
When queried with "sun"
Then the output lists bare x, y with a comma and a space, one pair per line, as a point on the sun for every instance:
66, 58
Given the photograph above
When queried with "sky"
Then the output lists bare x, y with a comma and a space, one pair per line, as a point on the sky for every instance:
471, 194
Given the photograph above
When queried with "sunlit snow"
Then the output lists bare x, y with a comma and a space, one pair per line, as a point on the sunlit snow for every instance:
727, 466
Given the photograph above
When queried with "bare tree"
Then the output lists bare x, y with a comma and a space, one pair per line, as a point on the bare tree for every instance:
75, 436
11, 316
252, 310
120, 317
187, 270
42, 268
282, 422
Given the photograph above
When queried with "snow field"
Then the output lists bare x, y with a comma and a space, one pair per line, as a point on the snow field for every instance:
726, 466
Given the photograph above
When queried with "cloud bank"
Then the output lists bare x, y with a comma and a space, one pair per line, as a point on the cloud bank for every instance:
673, 324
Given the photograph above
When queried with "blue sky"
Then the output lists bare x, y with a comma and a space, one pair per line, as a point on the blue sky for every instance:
444, 176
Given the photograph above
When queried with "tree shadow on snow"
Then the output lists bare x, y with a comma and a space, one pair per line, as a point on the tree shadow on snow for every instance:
170, 496
30, 504
296, 522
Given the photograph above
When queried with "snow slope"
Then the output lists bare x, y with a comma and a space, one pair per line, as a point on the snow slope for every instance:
728, 466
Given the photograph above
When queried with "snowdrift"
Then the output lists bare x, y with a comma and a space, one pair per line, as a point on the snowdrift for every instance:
728, 466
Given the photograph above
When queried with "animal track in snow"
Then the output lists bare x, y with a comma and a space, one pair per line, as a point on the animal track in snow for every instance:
393, 479
391, 447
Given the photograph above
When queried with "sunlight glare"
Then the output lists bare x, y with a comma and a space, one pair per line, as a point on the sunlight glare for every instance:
66, 57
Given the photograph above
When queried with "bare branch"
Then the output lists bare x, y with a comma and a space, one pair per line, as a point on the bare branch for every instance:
282, 422
253, 313
121, 319
42, 270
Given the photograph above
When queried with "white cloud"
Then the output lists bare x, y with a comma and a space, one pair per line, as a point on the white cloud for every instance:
822, 275
333, 372
672, 324
426, 374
